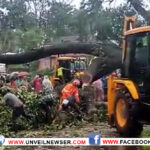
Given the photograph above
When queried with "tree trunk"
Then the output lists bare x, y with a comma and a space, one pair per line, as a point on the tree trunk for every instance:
88, 48
110, 56
101, 67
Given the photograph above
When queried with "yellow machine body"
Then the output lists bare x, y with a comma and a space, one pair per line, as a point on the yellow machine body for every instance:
114, 85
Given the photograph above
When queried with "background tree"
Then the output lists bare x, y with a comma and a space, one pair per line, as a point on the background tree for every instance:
25, 24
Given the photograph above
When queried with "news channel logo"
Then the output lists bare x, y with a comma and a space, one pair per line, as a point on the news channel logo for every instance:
94, 139
2, 140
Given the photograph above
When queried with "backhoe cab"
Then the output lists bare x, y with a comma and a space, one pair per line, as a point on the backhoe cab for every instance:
73, 68
129, 95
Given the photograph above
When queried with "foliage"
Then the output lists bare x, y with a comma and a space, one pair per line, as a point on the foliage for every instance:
46, 72
83, 25
5, 119
17, 68
102, 113
145, 135
34, 68
32, 38
30, 100
26, 24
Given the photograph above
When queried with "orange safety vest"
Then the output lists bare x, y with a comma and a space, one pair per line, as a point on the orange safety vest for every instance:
68, 91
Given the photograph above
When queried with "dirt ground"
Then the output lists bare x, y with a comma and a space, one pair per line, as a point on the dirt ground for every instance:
83, 130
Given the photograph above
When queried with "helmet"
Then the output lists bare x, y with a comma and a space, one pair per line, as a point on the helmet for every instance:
76, 82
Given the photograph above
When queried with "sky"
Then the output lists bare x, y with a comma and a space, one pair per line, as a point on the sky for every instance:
113, 4
76, 3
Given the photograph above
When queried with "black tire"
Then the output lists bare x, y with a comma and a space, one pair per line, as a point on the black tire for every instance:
128, 126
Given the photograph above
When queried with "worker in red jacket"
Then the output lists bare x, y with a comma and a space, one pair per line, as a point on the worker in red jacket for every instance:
70, 96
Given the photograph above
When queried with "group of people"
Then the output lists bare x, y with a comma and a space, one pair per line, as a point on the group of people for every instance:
40, 84
17, 82
69, 98
7, 90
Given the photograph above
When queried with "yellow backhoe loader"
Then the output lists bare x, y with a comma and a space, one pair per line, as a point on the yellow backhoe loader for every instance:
129, 95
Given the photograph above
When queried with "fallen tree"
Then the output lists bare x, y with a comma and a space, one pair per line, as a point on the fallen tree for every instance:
104, 64
101, 67
109, 56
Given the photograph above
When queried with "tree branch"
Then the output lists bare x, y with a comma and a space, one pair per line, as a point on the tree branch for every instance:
138, 6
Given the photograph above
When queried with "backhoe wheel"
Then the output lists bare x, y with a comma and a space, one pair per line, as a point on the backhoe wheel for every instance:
125, 123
